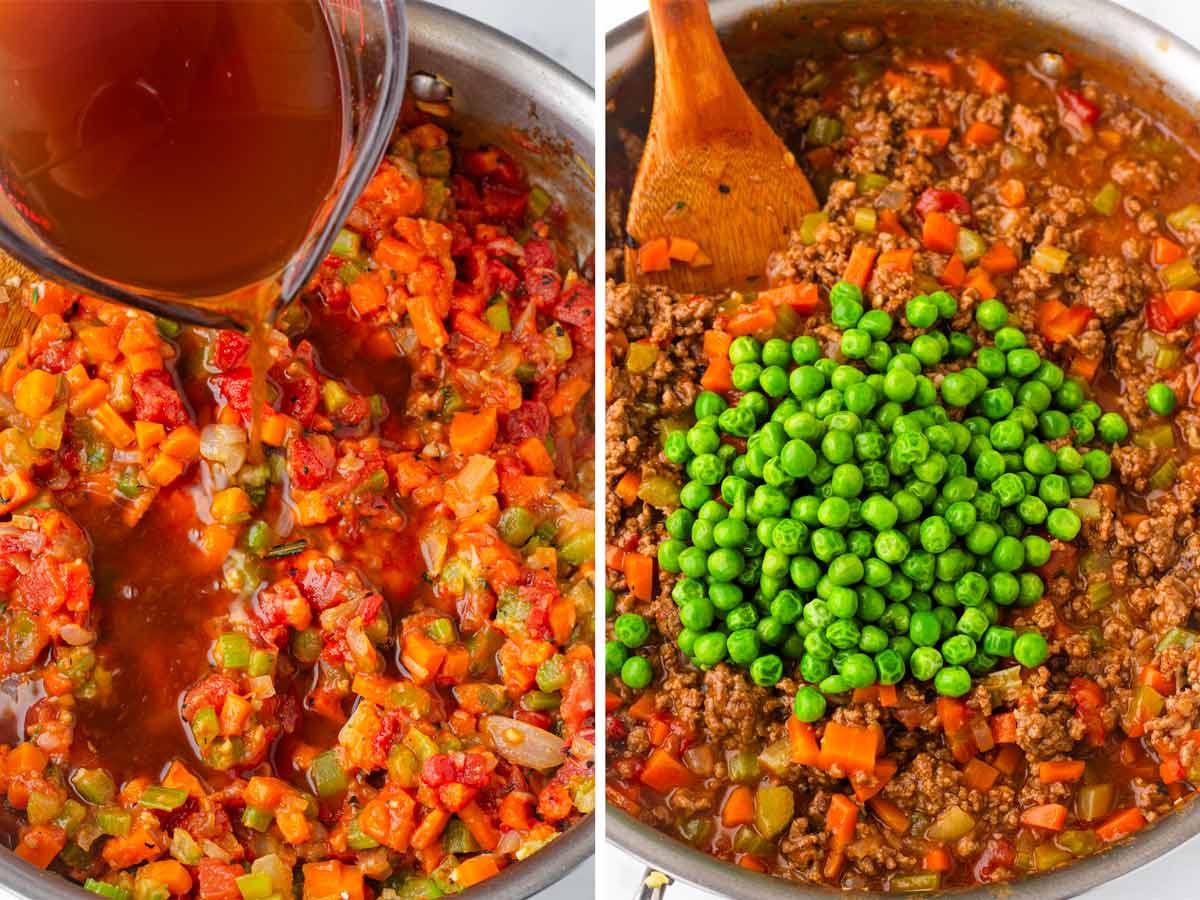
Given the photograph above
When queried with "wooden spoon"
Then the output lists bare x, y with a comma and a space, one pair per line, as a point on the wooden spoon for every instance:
713, 171
15, 317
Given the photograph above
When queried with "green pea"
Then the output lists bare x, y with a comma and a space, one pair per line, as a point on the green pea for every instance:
637, 672
809, 704
615, 654
1161, 399
1030, 649
925, 663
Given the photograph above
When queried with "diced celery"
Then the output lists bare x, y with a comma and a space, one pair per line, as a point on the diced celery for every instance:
1167, 357
434, 162
1047, 856
257, 819
1154, 436
539, 201
184, 847
262, 662
809, 226
1094, 801
952, 824
659, 491
1183, 219
205, 727
114, 820
255, 886
579, 548
94, 785
104, 889
1183, 638
327, 775
971, 245
747, 840
347, 244
307, 645
1052, 260
43, 807
497, 316
1079, 842
743, 767
335, 396
871, 182
774, 809
1100, 594
1106, 199
865, 220
158, 796
641, 357
921, 883
1180, 275
1086, 508
356, 839
823, 131
1164, 476
233, 650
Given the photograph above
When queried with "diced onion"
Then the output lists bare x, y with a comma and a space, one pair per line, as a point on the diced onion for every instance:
224, 444
523, 744
76, 635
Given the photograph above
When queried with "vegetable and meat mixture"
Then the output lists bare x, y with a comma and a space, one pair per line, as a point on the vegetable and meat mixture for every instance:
359, 666
902, 590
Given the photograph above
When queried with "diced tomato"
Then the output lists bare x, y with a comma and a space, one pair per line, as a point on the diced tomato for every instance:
229, 350
308, 467
530, 419
577, 305
1078, 105
934, 200
156, 400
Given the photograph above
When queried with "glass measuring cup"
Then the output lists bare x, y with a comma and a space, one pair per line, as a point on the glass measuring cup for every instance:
369, 39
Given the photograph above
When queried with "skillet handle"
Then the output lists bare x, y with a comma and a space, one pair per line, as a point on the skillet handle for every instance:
654, 885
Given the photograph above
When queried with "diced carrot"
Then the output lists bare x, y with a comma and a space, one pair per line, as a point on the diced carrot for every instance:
955, 273
682, 249
422, 655
1012, 193
164, 470
716, 344
803, 298
145, 361
1085, 366
738, 808
368, 294
470, 325
331, 880
168, 872
1151, 675
981, 134
803, 739
866, 695
751, 862
1165, 251
935, 138
937, 859
978, 281
840, 822
1170, 770
435, 823
939, 233
1184, 305
660, 730
719, 375
149, 434
897, 80
978, 775
654, 256
39, 844
473, 433
1121, 824
474, 869
34, 394
889, 813
896, 260
1057, 322
639, 574
16, 489
663, 772
643, 708
888, 695
938, 69
536, 457
129, 850
867, 787
858, 267
988, 78
999, 259
25, 759
399, 256
1004, 728
431, 331
1008, 758
235, 712
1049, 816
851, 747
182, 443
479, 823
752, 317
952, 713
887, 221
627, 487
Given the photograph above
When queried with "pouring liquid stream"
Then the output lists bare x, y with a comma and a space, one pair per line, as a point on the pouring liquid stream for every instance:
181, 148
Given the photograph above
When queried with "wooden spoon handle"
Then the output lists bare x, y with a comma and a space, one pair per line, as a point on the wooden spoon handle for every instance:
696, 94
